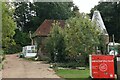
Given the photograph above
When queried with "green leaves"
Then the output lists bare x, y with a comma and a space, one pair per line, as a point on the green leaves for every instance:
55, 43
21, 38
29, 16
8, 26
111, 17
78, 36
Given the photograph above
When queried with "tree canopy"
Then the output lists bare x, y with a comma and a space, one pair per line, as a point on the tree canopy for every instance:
8, 26
29, 16
79, 36
55, 44
111, 17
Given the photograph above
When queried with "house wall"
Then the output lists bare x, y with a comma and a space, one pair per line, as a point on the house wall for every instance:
40, 42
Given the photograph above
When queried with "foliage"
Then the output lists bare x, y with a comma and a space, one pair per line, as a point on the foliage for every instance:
13, 49
80, 36
102, 44
111, 17
8, 26
72, 65
21, 38
80, 61
23, 16
55, 43
30, 15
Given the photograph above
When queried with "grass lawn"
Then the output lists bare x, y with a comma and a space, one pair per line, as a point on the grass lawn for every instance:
74, 74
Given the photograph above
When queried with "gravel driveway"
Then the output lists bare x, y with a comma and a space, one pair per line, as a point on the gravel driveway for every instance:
15, 67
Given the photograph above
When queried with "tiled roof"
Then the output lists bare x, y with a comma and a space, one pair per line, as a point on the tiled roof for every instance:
44, 28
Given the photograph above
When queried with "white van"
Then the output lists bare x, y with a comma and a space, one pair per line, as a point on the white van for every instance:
29, 51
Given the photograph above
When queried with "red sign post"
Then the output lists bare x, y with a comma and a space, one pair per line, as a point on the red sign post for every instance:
102, 66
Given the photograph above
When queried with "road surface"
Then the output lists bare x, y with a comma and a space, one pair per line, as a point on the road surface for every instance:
15, 67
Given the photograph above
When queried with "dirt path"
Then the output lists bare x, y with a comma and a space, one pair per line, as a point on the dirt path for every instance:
15, 67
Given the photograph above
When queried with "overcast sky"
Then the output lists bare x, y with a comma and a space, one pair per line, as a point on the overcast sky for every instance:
85, 5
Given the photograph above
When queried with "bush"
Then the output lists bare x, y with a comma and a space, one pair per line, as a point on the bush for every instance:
55, 44
44, 58
13, 49
72, 65
79, 61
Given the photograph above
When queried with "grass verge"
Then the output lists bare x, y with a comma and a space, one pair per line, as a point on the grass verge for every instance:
73, 74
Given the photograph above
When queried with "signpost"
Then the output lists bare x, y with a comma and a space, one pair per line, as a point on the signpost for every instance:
118, 67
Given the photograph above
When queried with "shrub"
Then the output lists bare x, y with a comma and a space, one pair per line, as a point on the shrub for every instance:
72, 65
80, 61
55, 44
13, 49
45, 58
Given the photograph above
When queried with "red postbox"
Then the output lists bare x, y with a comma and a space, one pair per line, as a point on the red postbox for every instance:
102, 66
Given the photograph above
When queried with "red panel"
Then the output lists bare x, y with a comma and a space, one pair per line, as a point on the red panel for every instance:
103, 66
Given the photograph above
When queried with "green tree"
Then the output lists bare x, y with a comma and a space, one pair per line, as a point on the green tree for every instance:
23, 16
102, 44
8, 26
111, 17
81, 36
55, 43
21, 38
29, 16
